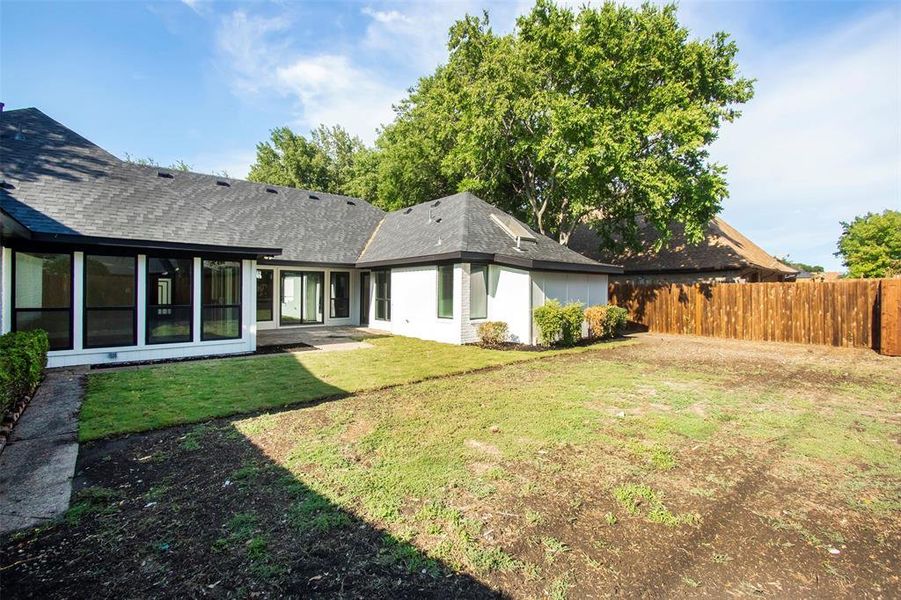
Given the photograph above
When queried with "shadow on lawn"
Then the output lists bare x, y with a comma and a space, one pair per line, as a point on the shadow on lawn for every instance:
200, 511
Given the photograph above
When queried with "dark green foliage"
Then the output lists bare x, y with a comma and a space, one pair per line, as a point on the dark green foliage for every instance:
870, 246
330, 160
559, 324
601, 115
801, 266
23, 356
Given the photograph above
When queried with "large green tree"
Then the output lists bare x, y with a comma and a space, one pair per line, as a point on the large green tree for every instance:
602, 115
870, 245
331, 160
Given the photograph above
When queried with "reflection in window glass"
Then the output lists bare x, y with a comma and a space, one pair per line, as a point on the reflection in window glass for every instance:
383, 295
478, 292
43, 296
446, 291
221, 298
339, 290
169, 306
110, 301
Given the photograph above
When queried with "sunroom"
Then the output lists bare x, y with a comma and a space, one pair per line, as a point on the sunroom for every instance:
108, 303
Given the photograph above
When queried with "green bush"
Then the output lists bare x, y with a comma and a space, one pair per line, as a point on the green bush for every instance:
492, 333
606, 321
559, 324
23, 356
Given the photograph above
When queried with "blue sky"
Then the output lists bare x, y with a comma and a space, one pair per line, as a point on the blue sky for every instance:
204, 81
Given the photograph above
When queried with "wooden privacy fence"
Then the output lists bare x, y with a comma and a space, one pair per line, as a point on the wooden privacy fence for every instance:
864, 313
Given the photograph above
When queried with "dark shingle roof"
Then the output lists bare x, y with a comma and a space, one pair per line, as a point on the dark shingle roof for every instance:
61, 186
723, 248
462, 225
65, 185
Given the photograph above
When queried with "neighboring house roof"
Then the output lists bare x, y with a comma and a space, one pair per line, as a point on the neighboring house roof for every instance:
461, 226
59, 186
723, 248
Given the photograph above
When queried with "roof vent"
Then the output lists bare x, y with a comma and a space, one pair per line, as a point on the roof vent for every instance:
351, 203
164, 175
272, 190
408, 211
314, 197
223, 183
437, 202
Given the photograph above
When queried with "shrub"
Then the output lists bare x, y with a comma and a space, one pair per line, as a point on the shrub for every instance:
573, 317
606, 321
23, 356
492, 333
558, 324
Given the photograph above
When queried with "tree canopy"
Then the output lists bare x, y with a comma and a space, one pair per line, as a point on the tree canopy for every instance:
801, 266
331, 160
870, 245
602, 115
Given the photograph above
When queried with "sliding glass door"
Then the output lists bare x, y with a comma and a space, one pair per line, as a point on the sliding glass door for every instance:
301, 297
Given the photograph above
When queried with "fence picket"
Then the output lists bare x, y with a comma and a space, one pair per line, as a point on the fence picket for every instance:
840, 313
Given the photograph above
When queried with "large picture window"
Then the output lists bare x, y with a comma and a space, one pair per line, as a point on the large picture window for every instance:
446, 292
265, 294
220, 293
43, 295
383, 295
169, 305
339, 295
478, 292
110, 300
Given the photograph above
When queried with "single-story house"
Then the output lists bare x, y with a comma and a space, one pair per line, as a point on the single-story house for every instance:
123, 262
724, 255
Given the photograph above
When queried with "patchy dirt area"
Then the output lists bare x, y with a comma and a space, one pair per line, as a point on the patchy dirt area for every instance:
676, 467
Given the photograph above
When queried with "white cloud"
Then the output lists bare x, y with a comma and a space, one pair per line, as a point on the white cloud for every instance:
386, 17
332, 90
819, 143
198, 6
327, 88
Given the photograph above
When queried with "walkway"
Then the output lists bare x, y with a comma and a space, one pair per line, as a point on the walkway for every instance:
38, 462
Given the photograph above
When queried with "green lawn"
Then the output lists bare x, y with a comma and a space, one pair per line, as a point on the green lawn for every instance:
652, 469
159, 396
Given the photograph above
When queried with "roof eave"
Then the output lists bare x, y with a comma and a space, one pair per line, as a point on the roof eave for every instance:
499, 259
84, 240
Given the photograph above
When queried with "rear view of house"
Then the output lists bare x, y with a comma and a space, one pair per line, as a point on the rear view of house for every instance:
122, 262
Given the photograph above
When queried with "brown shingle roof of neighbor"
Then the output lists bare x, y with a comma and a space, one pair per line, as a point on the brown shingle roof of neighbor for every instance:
723, 248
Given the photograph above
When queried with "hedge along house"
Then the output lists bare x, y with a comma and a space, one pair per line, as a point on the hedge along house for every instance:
122, 262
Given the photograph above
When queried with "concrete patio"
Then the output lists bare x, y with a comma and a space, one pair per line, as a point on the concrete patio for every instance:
320, 338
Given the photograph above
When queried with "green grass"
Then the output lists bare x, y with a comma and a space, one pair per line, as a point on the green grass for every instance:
160, 396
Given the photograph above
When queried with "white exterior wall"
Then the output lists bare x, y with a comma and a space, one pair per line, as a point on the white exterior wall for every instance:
354, 314
509, 301
589, 289
414, 305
